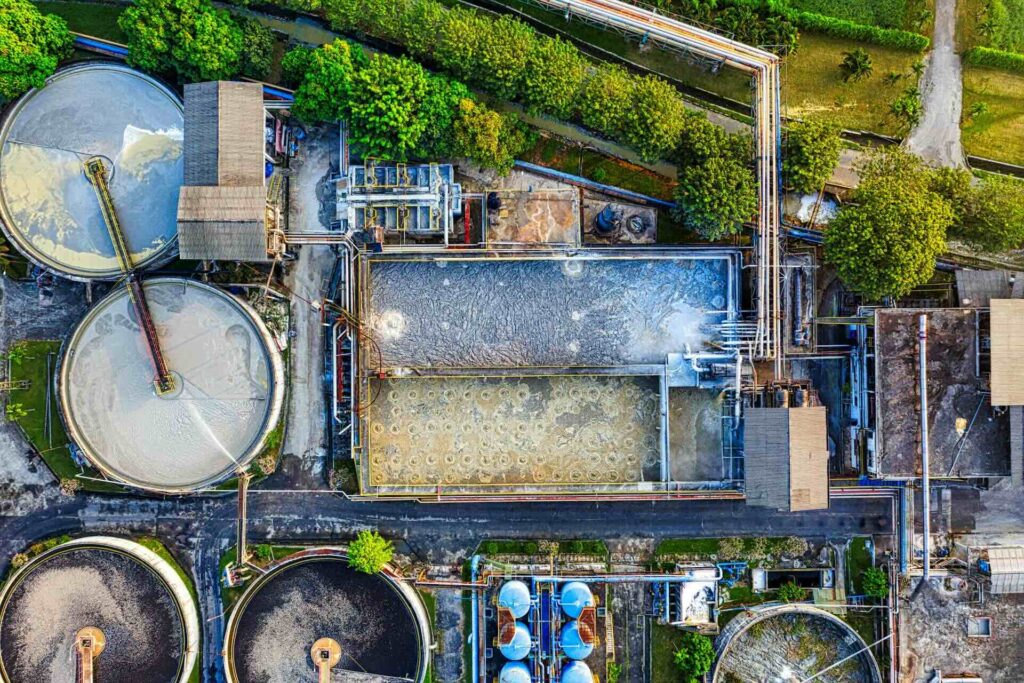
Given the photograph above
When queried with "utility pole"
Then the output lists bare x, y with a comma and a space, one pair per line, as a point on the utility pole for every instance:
922, 362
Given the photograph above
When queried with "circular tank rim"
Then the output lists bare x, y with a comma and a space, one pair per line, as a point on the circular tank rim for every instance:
742, 624
411, 599
277, 379
15, 236
188, 612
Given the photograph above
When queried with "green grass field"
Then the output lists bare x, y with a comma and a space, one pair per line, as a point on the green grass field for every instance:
858, 558
665, 640
52, 446
999, 133
93, 19
813, 84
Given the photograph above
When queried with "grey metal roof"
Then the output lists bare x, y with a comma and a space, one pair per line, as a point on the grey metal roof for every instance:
786, 458
1007, 566
224, 133
976, 288
222, 223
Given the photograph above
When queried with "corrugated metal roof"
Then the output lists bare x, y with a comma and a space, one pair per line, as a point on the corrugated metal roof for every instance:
1007, 566
224, 123
786, 458
977, 288
1007, 331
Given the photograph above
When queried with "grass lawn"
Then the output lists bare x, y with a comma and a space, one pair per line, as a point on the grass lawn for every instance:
93, 19
52, 447
998, 134
812, 83
530, 547
969, 16
665, 640
687, 546
858, 558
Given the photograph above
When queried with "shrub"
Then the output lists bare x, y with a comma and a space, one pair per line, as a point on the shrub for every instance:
730, 548
264, 552
490, 139
875, 583
999, 59
189, 37
812, 152
369, 552
19, 560
907, 107
862, 33
790, 592
793, 546
31, 46
694, 657
990, 215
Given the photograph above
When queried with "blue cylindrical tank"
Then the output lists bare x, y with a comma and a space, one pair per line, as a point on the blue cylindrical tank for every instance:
572, 642
576, 672
514, 672
520, 645
574, 597
515, 596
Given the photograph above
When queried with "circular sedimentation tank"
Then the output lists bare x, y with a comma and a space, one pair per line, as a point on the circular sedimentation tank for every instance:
122, 592
793, 642
49, 209
378, 622
229, 386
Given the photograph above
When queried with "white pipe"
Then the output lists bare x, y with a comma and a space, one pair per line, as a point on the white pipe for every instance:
922, 361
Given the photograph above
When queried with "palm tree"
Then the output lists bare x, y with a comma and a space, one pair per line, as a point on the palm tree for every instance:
15, 411
856, 65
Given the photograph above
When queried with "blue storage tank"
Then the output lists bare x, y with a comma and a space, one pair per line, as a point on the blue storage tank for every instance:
574, 597
520, 645
572, 642
514, 672
515, 596
576, 672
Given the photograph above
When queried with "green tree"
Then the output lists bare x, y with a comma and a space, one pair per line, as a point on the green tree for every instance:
257, 49
907, 107
655, 118
884, 242
812, 152
552, 76
16, 354
790, 592
31, 46
501, 56
487, 137
875, 583
856, 65
189, 37
694, 657
386, 106
717, 191
264, 553
369, 552
604, 100
324, 80
992, 218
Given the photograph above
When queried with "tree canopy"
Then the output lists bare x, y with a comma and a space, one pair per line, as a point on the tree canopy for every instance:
717, 190
694, 657
875, 583
487, 137
991, 214
189, 37
885, 241
31, 46
369, 552
812, 152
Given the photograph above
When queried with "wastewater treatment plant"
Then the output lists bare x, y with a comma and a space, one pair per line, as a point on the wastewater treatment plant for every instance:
511, 341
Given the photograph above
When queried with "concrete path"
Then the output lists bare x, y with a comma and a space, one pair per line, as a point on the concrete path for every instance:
936, 138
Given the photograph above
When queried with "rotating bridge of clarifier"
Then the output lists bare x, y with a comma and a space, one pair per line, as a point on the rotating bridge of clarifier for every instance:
89, 644
96, 171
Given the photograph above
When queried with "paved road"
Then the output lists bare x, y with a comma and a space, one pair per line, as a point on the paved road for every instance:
936, 138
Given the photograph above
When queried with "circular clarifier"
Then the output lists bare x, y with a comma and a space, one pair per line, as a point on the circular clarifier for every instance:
227, 396
106, 587
49, 209
380, 625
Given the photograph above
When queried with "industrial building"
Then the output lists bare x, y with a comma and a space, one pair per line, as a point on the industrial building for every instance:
97, 608
223, 209
311, 615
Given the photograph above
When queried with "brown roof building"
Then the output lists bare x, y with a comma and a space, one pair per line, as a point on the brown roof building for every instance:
786, 458
222, 207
